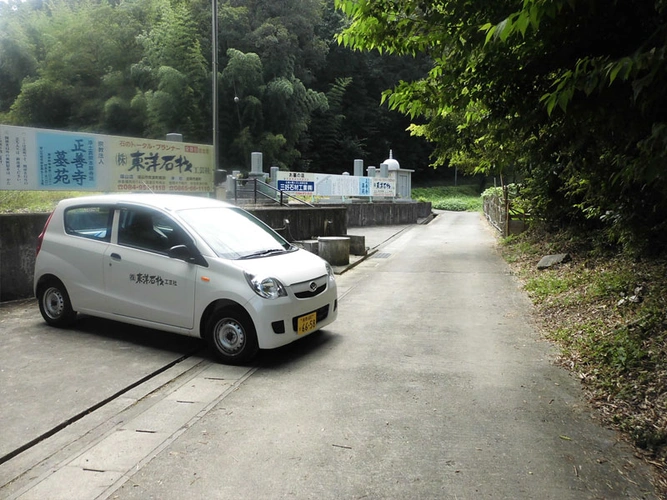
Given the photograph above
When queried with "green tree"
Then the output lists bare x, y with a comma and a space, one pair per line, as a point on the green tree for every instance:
266, 103
17, 59
148, 72
284, 35
364, 129
265, 117
173, 52
568, 93
78, 66
242, 118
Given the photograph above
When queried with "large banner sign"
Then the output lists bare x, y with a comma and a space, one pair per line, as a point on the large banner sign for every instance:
138, 164
336, 185
39, 159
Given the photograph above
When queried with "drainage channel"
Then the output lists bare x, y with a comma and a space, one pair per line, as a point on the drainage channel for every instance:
51, 432
106, 463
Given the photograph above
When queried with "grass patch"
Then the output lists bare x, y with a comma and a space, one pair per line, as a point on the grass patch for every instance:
464, 198
549, 285
33, 201
612, 283
517, 248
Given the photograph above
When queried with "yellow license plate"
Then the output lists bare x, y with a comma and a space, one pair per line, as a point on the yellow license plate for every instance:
306, 323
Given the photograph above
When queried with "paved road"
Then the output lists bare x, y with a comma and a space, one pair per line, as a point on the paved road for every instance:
433, 383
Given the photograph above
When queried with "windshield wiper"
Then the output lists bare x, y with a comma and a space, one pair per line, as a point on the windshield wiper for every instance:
263, 253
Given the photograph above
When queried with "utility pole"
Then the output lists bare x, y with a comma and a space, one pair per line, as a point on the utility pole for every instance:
214, 42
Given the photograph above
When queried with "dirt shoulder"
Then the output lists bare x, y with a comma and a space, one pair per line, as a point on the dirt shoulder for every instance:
608, 314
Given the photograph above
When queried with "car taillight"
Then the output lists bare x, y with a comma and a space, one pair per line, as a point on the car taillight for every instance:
40, 238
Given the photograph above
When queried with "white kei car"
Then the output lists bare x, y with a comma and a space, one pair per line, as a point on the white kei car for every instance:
183, 264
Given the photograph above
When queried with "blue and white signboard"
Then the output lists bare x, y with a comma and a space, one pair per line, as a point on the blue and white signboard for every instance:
66, 161
37, 159
302, 183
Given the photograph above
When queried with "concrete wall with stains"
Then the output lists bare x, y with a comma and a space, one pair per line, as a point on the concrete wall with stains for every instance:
18, 233
18, 238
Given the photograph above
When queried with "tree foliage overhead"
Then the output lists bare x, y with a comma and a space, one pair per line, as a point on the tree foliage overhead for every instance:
144, 68
567, 94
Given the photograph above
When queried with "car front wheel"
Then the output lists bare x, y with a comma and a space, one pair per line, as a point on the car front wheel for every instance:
54, 304
231, 334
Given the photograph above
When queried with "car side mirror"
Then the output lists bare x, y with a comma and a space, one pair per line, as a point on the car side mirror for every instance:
182, 252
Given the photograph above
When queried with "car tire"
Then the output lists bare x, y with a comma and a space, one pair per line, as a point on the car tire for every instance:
231, 334
54, 303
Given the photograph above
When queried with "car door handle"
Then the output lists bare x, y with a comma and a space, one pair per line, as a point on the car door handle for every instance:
115, 256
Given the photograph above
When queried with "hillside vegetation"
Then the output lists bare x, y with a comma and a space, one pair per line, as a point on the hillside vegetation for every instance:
285, 88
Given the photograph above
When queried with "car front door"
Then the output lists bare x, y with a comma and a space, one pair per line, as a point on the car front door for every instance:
141, 280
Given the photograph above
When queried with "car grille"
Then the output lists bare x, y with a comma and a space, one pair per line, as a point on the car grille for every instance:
322, 314
310, 288
311, 293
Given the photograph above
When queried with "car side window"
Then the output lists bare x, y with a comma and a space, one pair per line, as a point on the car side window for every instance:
93, 222
149, 230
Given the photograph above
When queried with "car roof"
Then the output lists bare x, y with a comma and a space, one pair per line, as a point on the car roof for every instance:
167, 202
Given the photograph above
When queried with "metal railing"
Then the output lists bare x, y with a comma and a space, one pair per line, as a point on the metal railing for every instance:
254, 189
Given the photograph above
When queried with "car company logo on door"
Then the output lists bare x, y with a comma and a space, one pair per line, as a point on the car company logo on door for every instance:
152, 279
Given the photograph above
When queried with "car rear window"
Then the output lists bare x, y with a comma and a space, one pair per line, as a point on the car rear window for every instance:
89, 222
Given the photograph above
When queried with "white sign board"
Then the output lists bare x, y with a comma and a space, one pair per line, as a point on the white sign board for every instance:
383, 186
39, 159
342, 185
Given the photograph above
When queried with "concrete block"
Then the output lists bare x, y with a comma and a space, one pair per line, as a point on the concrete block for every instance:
310, 245
334, 249
357, 244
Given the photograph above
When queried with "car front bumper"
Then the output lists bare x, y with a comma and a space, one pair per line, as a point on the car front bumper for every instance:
277, 321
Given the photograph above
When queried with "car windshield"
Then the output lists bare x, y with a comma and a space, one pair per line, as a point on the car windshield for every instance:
233, 233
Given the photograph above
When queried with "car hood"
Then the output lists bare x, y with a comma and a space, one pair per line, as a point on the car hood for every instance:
289, 268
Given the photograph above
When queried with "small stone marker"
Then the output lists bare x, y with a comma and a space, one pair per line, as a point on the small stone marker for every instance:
551, 260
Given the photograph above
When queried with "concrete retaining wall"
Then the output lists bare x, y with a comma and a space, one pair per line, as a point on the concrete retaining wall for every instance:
18, 233
386, 214
18, 237
304, 223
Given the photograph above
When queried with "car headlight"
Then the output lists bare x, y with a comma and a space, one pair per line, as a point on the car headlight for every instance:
330, 271
269, 288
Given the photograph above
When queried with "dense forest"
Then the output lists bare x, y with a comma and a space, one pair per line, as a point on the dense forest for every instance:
143, 68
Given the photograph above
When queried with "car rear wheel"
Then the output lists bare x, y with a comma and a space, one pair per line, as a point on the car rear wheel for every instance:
231, 334
54, 304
